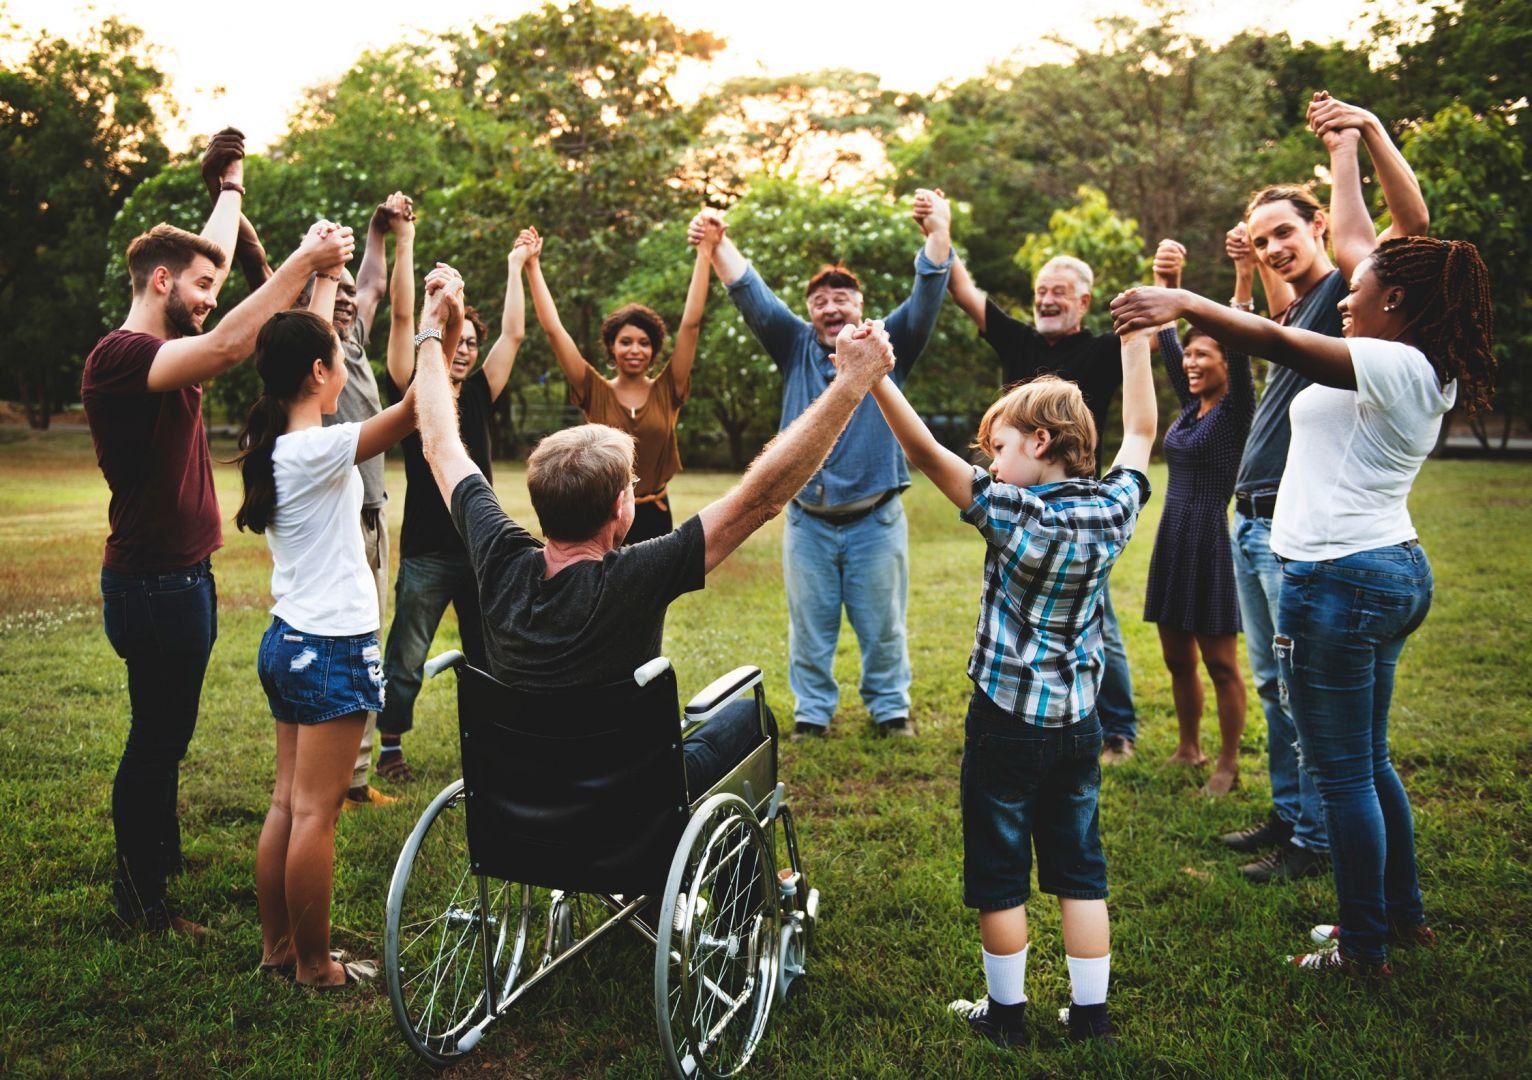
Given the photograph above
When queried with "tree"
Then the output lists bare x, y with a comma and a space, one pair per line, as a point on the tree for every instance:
81, 123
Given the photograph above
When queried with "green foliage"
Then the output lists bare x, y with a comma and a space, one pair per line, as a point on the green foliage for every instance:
1093, 232
81, 125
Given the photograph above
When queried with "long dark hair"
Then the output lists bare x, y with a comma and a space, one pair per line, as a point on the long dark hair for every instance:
285, 351
1446, 295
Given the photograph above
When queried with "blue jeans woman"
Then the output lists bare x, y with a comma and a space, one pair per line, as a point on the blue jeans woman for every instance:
1341, 625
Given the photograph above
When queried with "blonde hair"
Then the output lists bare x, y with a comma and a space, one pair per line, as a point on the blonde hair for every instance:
1047, 403
575, 475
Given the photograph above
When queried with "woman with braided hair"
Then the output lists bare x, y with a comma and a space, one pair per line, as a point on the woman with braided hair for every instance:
1417, 328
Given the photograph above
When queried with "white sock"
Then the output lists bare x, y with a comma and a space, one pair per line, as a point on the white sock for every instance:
1088, 979
1006, 976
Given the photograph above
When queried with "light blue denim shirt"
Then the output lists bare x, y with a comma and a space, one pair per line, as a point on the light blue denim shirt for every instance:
867, 459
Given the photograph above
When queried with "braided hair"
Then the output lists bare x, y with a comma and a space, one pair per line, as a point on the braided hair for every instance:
1446, 295
285, 351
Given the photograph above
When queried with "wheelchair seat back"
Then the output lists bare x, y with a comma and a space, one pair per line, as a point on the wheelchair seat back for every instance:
581, 789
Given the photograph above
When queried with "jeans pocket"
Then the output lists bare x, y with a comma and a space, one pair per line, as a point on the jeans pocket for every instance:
296, 665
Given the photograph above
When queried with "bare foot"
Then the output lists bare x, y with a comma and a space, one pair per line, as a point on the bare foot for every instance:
1116, 749
1221, 783
1187, 755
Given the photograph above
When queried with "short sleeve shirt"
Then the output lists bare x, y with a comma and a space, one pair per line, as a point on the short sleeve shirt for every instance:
595, 621
652, 424
152, 449
428, 527
1038, 647
359, 401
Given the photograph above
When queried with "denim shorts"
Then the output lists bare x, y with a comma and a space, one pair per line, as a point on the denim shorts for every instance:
309, 678
1026, 787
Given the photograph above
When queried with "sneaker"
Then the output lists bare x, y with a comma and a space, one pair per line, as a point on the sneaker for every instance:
898, 727
803, 731
1328, 958
1115, 749
1273, 832
1011, 1032
1421, 936
1087, 1022
1286, 863
357, 799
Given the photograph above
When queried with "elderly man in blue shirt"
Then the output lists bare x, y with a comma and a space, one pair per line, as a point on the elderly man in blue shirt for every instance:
845, 543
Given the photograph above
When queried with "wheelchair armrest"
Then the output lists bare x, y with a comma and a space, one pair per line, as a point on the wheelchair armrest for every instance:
438, 664
720, 692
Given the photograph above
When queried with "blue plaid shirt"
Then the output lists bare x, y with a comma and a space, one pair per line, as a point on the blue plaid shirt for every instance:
1037, 650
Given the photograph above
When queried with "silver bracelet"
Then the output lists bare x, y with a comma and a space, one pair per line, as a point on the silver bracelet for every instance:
428, 332
1242, 305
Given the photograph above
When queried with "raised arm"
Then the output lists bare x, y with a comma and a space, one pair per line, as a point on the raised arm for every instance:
952, 475
1279, 294
965, 294
685, 353
565, 351
435, 407
864, 356
934, 215
372, 274
187, 361
1341, 127
727, 260
1317, 357
513, 316
223, 170
401, 304
1140, 420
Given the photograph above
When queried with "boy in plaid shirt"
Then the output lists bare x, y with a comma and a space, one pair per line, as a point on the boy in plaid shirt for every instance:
1031, 775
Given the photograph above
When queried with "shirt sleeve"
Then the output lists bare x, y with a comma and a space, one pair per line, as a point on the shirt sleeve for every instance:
667, 566
1127, 487
1388, 371
1171, 356
323, 455
911, 324
1016, 343
125, 368
769, 319
999, 510
487, 530
581, 389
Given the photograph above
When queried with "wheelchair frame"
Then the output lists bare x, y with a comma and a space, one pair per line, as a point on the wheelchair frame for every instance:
731, 933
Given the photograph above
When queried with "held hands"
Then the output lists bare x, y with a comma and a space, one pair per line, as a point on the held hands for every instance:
932, 211
1143, 310
327, 247
224, 161
1336, 123
1236, 245
706, 230
528, 246
396, 214
863, 353
1169, 257
444, 299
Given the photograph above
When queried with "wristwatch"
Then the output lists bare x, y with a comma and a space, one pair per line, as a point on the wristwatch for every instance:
428, 332
1242, 305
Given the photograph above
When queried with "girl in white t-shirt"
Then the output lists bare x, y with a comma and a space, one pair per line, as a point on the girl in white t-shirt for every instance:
319, 661
1356, 582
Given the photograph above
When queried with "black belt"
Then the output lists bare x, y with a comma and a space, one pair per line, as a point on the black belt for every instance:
851, 515
1256, 504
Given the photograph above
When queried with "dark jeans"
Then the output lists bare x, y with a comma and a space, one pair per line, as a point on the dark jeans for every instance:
163, 626
722, 743
1341, 626
425, 586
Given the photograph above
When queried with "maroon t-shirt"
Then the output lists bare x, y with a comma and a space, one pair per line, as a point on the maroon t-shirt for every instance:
152, 448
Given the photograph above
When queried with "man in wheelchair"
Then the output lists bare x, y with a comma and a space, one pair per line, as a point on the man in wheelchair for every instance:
580, 609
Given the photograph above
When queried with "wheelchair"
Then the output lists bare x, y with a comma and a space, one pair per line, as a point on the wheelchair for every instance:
573, 818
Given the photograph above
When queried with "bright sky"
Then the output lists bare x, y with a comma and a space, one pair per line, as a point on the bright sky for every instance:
247, 64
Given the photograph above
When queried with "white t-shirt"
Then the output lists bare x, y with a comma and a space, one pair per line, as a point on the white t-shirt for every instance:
1355, 453
319, 572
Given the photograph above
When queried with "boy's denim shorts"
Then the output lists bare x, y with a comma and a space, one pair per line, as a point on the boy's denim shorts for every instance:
309, 678
1027, 787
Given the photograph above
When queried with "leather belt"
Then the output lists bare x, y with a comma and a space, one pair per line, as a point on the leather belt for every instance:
1256, 504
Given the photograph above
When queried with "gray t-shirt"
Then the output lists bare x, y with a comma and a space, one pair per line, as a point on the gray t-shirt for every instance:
359, 401
592, 622
1260, 468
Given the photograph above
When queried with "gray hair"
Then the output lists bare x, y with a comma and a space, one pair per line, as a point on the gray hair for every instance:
1082, 273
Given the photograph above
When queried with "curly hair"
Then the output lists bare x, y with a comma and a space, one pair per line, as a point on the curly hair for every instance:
1447, 300
646, 319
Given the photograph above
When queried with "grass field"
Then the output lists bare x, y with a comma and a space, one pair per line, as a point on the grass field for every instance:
1198, 986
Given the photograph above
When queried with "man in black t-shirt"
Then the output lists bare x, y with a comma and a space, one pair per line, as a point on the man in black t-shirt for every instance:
1058, 343
433, 566
582, 609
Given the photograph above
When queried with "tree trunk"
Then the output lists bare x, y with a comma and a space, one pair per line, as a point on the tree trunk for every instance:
34, 398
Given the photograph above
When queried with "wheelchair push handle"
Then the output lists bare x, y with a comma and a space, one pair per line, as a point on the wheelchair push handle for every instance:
440, 663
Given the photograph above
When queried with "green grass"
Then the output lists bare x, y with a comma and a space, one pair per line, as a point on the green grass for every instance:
1197, 986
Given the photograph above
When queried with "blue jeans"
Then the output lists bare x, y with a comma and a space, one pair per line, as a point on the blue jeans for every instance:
722, 743
163, 626
1026, 787
1341, 626
310, 678
425, 586
1114, 699
865, 568
1258, 577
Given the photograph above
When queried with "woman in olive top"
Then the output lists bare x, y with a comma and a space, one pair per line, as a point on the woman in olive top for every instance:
645, 406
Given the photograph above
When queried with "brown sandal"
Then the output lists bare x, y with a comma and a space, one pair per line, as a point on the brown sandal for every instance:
394, 768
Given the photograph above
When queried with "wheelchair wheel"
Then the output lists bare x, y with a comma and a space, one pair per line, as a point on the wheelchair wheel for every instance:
433, 955
715, 969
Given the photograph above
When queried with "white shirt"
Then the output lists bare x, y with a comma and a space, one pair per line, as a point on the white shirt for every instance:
1355, 453
319, 573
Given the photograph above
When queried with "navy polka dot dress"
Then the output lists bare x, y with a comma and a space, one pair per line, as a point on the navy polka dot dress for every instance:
1191, 574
